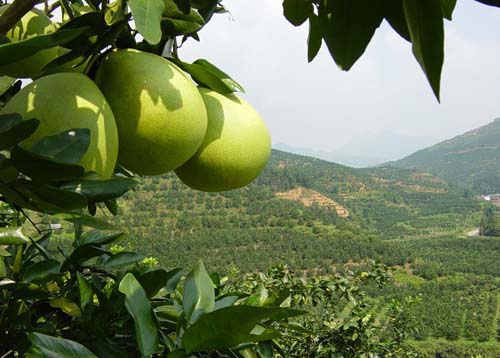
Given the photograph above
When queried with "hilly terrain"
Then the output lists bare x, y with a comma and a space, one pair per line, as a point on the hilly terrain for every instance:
318, 217
470, 160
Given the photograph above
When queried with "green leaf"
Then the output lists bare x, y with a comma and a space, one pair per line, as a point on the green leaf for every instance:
82, 254
224, 77
231, 326
44, 346
168, 312
40, 245
173, 12
123, 259
183, 5
13, 129
43, 169
15, 51
395, 16
137, 304
112, 206
114, 12
495, 3
41, 269
315, 38
67, 147
225, 302
147, 16
5, 83
258, 298
67, 306
3, 269
177, 27
45, 194
4, 252
173, 279
97, 237
101, 190
154, 281
204, 77
348, 27
86, 220
86, 292
425, 21
447, 7
297, 11
198, 294
12, 236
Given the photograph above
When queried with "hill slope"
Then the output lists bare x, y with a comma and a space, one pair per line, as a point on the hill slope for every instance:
302, 209
470, 160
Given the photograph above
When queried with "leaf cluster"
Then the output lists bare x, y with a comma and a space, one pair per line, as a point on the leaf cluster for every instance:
347, 27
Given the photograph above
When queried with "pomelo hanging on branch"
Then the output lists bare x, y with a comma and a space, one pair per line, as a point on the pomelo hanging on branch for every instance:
235, 150
160, 114
66, 101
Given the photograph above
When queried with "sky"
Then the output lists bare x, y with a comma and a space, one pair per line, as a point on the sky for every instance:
317, 106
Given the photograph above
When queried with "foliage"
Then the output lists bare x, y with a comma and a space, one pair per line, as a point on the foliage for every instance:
490, 222
344, 321
347, 27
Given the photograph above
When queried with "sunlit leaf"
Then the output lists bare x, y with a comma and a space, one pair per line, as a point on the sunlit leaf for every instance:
67, 306
198, 294
12, 236
228, 327
137, 304
44, 346
147, 17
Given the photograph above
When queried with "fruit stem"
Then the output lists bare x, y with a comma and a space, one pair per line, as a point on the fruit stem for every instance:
14, 13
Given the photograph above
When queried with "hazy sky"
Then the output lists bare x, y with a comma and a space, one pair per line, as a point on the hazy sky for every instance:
320, 107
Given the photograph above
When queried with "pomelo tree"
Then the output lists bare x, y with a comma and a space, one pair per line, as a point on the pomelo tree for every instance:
61, 135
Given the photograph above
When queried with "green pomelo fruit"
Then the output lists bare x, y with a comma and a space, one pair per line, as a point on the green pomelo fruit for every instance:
235, 150
34, 23
64, 101
159, 112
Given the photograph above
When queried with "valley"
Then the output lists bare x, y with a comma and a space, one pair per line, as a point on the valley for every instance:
318, 217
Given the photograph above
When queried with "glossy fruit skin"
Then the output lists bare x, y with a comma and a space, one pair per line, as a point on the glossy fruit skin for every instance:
236, 148
64, 101
159, 112
34, 23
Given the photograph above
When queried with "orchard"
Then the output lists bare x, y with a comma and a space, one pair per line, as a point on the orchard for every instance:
95, 94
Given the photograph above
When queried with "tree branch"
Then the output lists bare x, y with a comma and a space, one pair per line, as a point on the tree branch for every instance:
14, 13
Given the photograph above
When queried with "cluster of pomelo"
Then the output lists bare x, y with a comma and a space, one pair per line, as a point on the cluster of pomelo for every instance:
143, 113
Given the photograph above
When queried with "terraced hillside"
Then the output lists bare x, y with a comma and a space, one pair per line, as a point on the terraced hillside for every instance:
298, 205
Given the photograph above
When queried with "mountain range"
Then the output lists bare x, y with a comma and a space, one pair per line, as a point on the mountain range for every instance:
367, 149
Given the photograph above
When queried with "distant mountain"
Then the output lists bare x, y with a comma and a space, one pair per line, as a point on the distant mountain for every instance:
470, 160
367, 150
